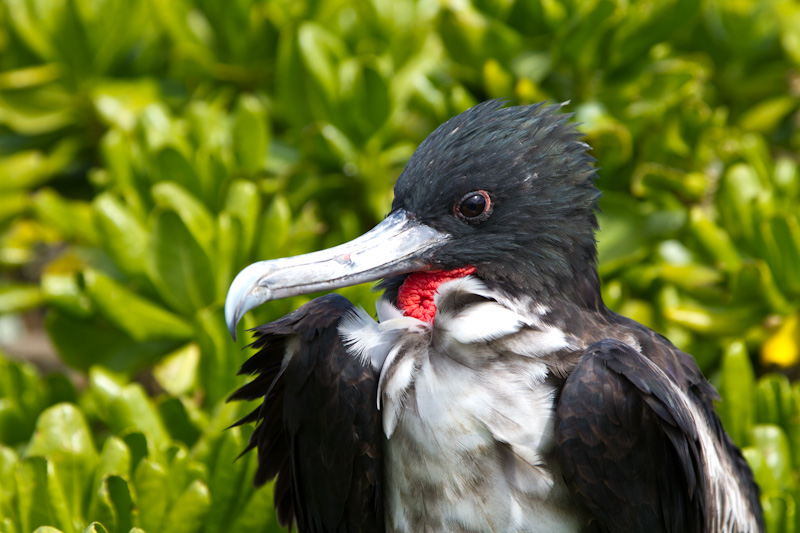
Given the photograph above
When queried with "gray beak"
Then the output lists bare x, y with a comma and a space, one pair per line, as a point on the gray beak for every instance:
395, 246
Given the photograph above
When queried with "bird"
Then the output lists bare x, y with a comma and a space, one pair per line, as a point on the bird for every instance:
495, 391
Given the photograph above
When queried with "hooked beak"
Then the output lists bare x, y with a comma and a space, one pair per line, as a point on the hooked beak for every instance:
395, 246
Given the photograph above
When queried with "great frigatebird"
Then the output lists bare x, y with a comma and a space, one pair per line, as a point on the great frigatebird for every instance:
496, 392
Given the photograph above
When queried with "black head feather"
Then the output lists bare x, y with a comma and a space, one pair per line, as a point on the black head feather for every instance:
539, 237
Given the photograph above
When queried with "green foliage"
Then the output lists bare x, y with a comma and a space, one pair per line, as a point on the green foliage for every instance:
149, 150
115, 457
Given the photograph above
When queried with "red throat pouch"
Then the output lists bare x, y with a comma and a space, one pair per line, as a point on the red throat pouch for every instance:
415, 296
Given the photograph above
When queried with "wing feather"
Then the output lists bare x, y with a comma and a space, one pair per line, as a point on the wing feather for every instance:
628, 446
317, 428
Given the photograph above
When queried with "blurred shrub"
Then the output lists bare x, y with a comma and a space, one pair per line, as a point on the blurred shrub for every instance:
115, 457
149, 150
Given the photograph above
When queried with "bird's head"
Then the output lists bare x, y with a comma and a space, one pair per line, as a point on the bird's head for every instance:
507, 191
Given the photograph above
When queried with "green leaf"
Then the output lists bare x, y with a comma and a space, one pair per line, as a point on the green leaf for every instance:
14, 428
737, 388
278, 218
104, 386
227, 480
338, 144
765, 116
160, 128
320, 51
115, 461
123, 236
178, 420
774, 400
95, 527
197, 219
175, 170
258, 512
35, 508
82, 343
152, 495
62, 290
183, 469
23, 170
115, 495
138, 445
119, 102
251, 134
784, 178
221, 356
770, 291
228, 250
16, 298
244, 203
178, 265
651, 179
771, 441
497, 80
101, 508
779, 512
190, 509
781, 240
132, 409
13, 204
177, 372
714, 240
142, 319
60, 389
116, 150
177, 20
366, 95
66, 508
739, 191
620, 240
72, 218
708, 320
73, 459
8, 481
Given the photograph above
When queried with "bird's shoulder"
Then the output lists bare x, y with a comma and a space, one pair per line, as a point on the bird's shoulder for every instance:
654, 455
678, 365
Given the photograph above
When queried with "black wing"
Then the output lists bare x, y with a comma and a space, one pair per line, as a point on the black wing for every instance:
629, 448
318, 426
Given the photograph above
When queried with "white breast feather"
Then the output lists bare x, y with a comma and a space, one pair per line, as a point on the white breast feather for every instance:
481, 322
392, 392
372, 341
466, 399
450, 408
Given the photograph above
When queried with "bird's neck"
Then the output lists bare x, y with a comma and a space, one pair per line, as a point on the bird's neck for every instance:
415, 297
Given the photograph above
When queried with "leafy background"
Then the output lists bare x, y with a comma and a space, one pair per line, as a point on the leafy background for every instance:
149, 150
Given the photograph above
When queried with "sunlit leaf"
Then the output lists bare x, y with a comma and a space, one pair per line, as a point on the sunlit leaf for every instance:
178, 265
73, 460
771, 441
123, 235
190, 509
16, 298
140, 318
152, 496
737, 388
251, 133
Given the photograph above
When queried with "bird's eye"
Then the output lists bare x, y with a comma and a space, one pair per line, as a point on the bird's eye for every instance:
474, 207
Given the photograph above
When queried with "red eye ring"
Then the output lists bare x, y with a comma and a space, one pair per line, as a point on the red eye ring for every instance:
474, 207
